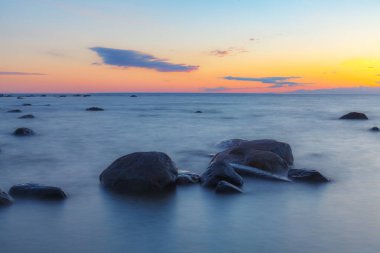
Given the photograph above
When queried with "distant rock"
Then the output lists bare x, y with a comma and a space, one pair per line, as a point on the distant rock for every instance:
231, 143
307, 176
355, 115
5, 199
226, 188
86, 95
185, 178
141, 172
43, 95
374, 129
218, 171
26, 104
198, 112
37, 191
62, 96
27, 116
23, 131
20, 97
94, 109
14, 111
133, 96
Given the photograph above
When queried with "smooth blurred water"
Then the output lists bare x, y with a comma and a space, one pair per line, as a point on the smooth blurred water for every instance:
73, 146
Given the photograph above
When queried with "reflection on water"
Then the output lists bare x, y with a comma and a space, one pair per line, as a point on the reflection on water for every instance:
73, 146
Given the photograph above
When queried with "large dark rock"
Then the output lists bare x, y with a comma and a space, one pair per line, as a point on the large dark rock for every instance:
218, 171
15, 111
37, 191
307, 176
354, 115
185, 178
27, 116
227, 188
375, 129
268, 155
141, 172
23, 131
94, 109
5, 199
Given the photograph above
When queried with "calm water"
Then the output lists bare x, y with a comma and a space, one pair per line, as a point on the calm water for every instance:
73, 146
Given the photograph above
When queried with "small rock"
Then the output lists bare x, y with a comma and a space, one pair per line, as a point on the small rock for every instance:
86, 95
20, 98
307, 175
375, 129
5, 199
225, 187
133, 96
198, 111
27, 116
23, 131
355, 115
218, 171
15, 111
37, 191
185, 177
94, 109
26, 104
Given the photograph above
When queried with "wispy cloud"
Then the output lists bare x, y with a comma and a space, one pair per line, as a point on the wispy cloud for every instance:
227, 52
132, 58
14, 73
275, 81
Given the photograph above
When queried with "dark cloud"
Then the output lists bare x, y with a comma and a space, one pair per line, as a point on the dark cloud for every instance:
228, 51
132, 58
14, 73
275, 81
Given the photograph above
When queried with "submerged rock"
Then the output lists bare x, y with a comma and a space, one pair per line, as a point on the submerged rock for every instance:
14, 111
354, 115
27, 116
307, 175
231, 143
140, 172
37, 191
94, 109
225, 187
23, 131
5, 199
374, 129
218, 171
185, 178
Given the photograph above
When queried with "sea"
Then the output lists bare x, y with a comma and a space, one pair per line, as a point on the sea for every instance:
73, 146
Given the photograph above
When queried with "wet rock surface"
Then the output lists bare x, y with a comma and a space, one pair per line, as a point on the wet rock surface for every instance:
141, 172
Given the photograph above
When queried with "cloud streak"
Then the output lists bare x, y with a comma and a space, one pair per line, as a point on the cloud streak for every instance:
132, 58
275, 81
15, 73
227, 52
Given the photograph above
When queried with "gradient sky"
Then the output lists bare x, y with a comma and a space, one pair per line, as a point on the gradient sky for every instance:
188, 46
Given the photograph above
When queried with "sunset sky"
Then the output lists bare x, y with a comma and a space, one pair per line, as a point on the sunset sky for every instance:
188, 46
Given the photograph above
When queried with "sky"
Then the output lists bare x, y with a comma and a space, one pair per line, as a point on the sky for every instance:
49, 46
